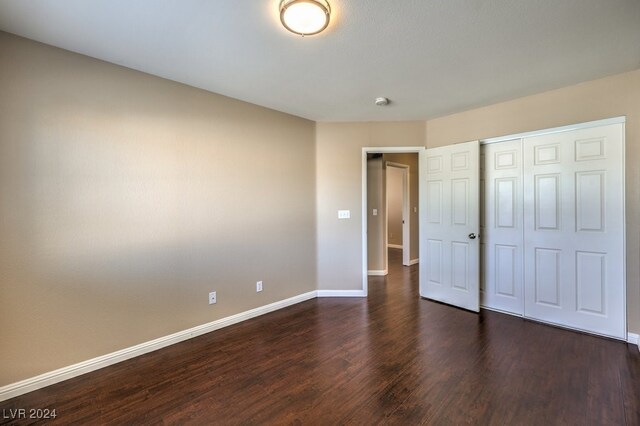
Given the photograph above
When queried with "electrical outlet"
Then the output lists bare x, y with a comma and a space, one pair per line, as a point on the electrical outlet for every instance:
259, 286
212, 298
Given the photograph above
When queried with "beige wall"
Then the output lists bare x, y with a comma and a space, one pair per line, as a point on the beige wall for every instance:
339, 186
411, 160
376, 193
608, 97
126, 198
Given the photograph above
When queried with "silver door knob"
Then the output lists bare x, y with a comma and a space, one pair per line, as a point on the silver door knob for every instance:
472, 236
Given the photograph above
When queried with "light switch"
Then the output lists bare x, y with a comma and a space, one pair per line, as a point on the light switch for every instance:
344, 214
415, 210
375, 212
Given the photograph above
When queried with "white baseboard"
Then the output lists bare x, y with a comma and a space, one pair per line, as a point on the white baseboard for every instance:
396, 246
633, 339
65, 373
342, 293
414, 261
378, 272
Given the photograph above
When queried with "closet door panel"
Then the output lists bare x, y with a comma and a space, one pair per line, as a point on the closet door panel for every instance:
573, 229
502, 227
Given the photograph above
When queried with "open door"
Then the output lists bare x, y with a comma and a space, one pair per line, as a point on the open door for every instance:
449, 240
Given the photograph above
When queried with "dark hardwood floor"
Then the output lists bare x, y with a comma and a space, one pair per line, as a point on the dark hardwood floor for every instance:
390, 358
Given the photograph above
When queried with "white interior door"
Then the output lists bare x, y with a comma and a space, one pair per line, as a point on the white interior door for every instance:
501, 227
449, 249
574, 229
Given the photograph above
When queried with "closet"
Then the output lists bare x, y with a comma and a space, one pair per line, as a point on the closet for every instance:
551, 227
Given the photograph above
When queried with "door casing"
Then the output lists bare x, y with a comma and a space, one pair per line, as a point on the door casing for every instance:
420, 150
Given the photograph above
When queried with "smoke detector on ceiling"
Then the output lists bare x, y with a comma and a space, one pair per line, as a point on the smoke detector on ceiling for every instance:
382, 101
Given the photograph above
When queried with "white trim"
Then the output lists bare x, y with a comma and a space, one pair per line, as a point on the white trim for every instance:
394, 246
422, 208
378, 272
65, 373
588, 124
624, 225
634, 339
414, 261
363, 192
379, 150
341, 293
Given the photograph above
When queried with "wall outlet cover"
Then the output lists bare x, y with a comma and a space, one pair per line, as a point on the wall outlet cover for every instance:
344, 214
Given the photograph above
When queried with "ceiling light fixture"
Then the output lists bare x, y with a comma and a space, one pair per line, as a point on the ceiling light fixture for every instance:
305, 17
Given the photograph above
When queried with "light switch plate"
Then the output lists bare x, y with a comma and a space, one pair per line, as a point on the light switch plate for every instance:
344, 214
375, 212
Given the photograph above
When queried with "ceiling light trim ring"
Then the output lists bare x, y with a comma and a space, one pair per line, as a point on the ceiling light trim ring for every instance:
322, 4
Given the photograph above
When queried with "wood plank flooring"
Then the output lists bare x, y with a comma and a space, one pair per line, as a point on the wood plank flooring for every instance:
391, 358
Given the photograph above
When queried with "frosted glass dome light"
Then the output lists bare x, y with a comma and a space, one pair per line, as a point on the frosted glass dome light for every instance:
305, 17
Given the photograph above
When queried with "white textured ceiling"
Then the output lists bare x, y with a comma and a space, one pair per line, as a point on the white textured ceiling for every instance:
430, 58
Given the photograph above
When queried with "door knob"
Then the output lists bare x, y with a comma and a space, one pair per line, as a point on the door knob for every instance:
472, 236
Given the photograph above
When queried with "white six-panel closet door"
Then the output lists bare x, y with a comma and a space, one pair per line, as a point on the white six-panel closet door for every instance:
501, 224
573, 229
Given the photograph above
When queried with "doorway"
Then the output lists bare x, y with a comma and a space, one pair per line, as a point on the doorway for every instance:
375, 228
398, 225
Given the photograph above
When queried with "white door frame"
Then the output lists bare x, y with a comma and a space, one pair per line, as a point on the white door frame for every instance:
421, 151
588, 124
406, 217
